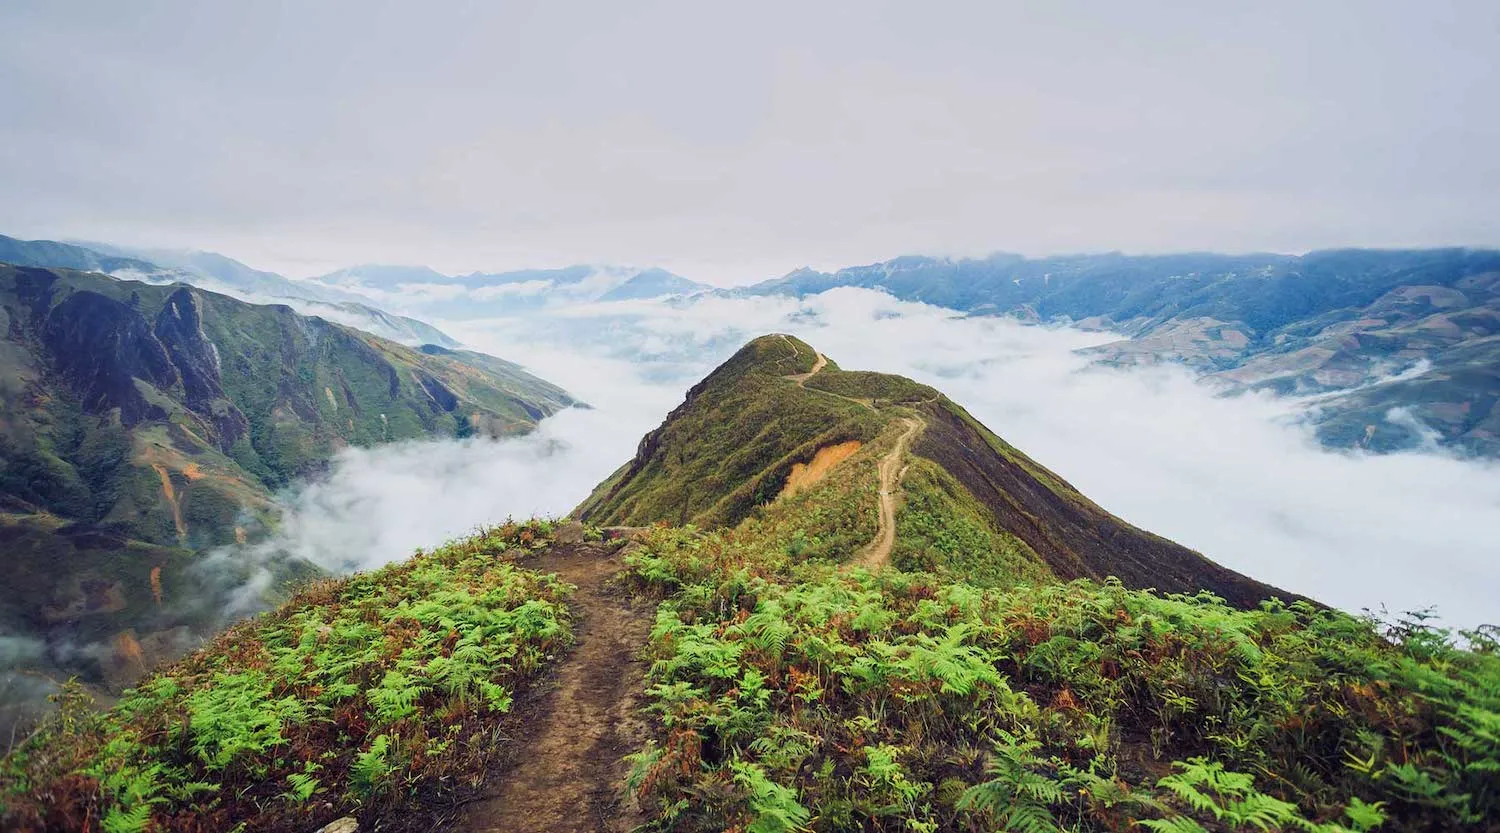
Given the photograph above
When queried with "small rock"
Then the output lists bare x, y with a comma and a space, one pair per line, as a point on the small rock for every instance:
569, 533
347, 824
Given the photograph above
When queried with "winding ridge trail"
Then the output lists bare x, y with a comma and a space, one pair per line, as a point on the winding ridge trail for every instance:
878, 553
818, 364
567, 772
820, 361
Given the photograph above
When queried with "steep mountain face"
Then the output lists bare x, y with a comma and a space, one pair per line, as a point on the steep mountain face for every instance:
273, 391
778, 409
1365, 331
153, 417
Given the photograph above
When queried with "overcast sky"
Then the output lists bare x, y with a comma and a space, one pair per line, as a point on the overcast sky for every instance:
733, 142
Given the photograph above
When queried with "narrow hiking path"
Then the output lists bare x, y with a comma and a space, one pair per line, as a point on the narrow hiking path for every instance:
892, 466
820, 361
567, 771
818, 364
878, 553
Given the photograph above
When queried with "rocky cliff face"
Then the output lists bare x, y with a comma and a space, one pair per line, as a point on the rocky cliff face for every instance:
99, 348
179, 327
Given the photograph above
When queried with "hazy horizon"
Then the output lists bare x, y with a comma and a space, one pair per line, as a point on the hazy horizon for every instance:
86, 242
731, 146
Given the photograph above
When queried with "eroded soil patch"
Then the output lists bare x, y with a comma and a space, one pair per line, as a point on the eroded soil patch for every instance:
806, 474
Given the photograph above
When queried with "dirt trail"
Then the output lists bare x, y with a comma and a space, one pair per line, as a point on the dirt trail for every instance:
878, 553
567, 772
818, 364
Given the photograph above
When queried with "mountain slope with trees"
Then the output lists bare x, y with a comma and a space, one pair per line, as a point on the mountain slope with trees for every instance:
152, 421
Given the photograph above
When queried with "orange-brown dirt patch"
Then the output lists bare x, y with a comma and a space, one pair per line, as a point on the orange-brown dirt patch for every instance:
171, 496
806, 474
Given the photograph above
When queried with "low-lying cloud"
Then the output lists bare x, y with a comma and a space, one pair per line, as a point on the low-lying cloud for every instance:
1239, 478
379, 505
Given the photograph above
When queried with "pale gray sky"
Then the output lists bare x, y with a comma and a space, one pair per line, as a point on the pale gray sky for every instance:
733, 142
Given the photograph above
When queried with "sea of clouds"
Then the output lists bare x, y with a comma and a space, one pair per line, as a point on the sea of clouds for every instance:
1238, 478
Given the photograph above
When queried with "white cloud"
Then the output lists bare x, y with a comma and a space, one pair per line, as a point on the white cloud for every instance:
507, 290
430, 291
1236, 478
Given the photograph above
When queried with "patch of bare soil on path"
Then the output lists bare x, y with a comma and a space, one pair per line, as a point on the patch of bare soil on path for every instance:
567, 773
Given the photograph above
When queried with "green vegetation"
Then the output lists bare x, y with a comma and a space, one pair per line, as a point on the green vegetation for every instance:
878, 388
100, 371
941, 528
970, 689
168, 416
963, 686
729, 447
358, 694
795, 696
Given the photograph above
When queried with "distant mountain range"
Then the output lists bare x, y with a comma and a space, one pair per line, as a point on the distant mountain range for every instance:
224, 275
1386, 349
1393, 349
484, 294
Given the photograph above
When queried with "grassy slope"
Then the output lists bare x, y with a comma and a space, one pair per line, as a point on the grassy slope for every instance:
357, 695
970, 690
791, 694
977, 507
1074, 536
731, 444
109, 582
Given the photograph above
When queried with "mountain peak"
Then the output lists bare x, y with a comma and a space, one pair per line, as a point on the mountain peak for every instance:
778, 408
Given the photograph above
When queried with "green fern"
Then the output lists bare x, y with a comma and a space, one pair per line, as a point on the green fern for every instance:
773, 808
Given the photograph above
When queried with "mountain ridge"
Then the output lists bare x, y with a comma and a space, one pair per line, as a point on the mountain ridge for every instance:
778, 402
218, 273
868, 647
1340, 324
